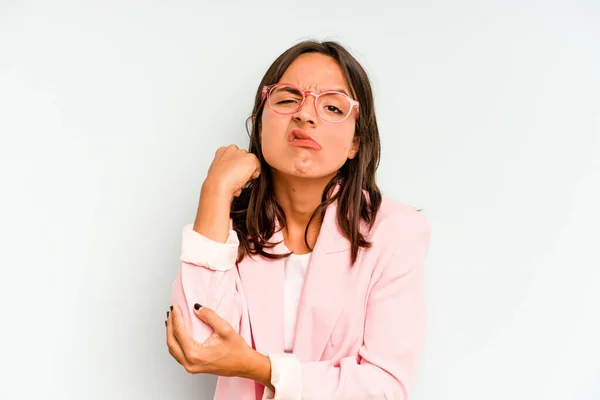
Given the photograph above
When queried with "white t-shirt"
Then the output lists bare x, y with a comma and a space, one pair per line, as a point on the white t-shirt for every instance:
296, 266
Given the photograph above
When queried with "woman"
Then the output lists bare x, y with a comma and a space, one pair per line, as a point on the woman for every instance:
297, 279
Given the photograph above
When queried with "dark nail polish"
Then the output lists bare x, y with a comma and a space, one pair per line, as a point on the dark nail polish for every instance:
165, 323
197, 306
171, 308
167, 314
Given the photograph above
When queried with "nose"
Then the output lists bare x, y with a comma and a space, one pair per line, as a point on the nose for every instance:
307, 113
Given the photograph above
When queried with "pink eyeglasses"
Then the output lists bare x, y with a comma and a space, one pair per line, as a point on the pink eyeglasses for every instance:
331, 106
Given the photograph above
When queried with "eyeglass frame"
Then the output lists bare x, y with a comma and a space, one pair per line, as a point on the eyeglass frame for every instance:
266, 93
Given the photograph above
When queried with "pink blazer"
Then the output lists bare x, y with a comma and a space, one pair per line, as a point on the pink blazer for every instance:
360, 330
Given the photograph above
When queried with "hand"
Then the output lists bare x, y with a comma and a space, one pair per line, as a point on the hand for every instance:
231, 168
224, 353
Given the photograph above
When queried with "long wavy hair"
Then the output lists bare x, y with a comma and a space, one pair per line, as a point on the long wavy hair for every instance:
255, 211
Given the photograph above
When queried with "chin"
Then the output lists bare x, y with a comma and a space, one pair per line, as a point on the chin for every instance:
305, 171
299, 167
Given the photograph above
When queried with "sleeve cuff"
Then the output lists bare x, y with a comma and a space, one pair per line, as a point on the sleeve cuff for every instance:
286, 377
199, 250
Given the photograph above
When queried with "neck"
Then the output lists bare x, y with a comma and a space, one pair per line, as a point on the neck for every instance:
299, 198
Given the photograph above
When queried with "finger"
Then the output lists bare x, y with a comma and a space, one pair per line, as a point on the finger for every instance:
256, 165
174, 347
219, 325
181, 334
256, 173
219, 152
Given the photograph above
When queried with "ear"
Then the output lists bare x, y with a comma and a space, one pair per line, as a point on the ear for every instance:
354, 148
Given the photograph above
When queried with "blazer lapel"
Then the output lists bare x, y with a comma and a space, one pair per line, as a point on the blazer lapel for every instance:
263, 285
324, 288
322, 298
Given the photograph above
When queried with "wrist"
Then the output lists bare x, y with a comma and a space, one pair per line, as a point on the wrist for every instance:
212, 217
258, 369
212, 187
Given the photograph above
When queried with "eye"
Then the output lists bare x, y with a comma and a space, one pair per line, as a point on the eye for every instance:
287, 101
333, 104
333, 109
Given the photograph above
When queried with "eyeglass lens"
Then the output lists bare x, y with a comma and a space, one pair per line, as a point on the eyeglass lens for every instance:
331, 106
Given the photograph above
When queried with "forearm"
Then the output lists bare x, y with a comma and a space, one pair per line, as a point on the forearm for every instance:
212, 218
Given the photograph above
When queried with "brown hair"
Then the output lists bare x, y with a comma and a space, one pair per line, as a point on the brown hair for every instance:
254, 211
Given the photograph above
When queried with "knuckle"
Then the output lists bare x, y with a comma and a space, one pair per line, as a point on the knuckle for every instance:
174, 356
189, 368
227, 330
170, 343
194, 358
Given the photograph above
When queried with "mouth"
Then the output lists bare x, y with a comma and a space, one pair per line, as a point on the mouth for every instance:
299, 138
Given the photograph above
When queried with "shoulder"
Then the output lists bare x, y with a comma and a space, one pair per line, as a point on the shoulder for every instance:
397, 228
400, 233
396, 219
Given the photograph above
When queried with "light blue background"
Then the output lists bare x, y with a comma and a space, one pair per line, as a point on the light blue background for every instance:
110, 113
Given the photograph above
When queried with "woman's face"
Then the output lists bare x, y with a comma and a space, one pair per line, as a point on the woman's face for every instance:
336, 142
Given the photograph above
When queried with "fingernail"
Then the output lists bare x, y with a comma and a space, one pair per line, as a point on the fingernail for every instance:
165, 323
197, 306
171, 308
167, 314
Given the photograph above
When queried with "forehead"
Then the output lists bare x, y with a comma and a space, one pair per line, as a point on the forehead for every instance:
317, 72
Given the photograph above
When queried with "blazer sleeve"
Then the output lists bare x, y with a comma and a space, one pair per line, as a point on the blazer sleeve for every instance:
393, 338
207, 276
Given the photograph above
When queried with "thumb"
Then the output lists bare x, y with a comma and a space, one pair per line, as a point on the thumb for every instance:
219, 325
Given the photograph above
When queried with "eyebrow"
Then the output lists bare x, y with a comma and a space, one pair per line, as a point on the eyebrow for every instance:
335, 90
342, 91
290, 89
320, 91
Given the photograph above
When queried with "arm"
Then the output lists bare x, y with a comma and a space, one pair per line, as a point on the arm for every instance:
393, 339
206, 275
